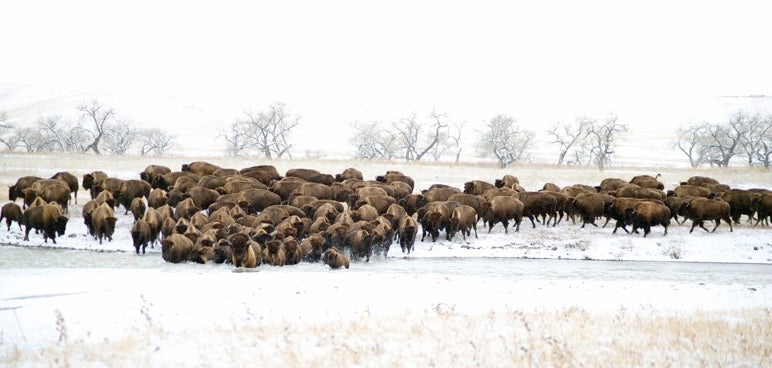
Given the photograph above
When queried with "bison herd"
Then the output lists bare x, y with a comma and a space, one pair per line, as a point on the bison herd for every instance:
255, 216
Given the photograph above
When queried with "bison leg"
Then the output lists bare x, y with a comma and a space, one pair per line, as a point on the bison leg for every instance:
694, 224
474, 226
533, 223
718, 221
703, 227
26, 233
646, 230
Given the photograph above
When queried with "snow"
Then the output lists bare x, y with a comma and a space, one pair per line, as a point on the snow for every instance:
56, 311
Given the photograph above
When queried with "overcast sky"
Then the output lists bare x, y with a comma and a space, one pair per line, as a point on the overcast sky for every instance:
344, 61
408, 49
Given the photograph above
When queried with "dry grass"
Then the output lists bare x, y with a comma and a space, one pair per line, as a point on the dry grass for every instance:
437, 337
532, 176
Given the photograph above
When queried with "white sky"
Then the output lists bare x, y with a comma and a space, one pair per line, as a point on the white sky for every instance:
356, 60
397, 49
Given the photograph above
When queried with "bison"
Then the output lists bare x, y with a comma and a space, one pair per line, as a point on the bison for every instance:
103, 222
463, 218
141, 235
11, 212
503, 209
703, 209
48, 218
333, 258
646, 214
17, 190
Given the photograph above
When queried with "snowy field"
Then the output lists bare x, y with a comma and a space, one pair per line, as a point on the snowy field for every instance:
526, 298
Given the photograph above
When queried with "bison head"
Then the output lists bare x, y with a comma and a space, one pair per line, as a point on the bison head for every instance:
60, 225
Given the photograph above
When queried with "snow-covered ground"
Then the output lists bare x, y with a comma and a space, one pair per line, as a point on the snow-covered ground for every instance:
103, 305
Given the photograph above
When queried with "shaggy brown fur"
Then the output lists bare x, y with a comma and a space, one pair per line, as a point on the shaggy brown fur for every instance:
11, 212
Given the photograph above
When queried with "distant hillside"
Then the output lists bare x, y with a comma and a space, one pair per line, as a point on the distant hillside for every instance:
197, 116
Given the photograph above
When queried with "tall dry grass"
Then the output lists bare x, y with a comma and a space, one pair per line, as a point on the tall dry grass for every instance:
438, 337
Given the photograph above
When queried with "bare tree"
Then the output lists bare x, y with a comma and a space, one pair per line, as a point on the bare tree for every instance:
724, 141
691, 141
264, 132
504, 139
154, 141
757, 138
373, 142
31, 139
414, 141
119, 138
7, 136
568, 136
601, 138
450, 141
98, 117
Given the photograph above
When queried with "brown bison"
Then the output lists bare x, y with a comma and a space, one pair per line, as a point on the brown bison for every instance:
103, 222
677, 206
312, 247
588, 206
274, 253
48, 218
702, 209
157, 198
262, 173
635, 191
740, 203
691, 191
762, 205
137, 208
11, 212
699, 180
537, 204
130, 189
140, 235
361, 244
439, 194
151, 172
407, 230
646, 214
105, 197
393, 176
108, 184
508, 181
310, 175
503, 209
91, 178
185, 209
477, 187
70, 180
177, 248
350, 173
55, 191
613, 184
333, 258
17, 190
550, 187
245, 252
200, 168
464, 219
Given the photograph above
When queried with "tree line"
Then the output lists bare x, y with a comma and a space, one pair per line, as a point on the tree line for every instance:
99, 130
715, 144
588, 141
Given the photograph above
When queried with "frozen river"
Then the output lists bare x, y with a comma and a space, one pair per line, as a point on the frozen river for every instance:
51, 261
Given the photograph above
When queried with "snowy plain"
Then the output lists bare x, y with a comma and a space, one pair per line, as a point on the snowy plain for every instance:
541, 296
